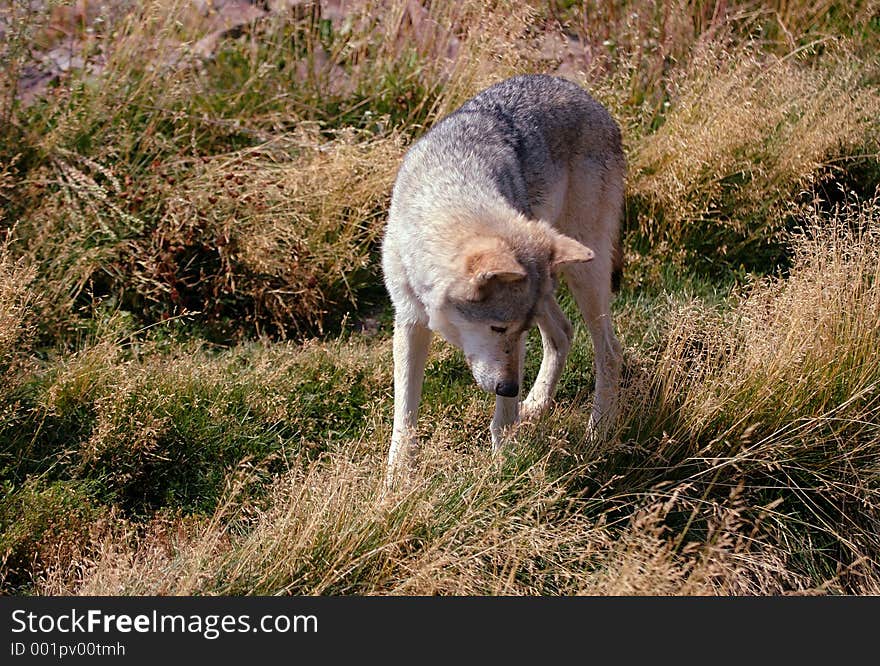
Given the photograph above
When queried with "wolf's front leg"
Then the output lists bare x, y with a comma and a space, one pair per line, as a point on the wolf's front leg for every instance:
412, 341
507, 409
556, 334
506, 416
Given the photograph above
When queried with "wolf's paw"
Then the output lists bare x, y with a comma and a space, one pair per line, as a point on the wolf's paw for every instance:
532, 410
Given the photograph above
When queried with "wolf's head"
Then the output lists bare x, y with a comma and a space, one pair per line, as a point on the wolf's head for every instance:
492, 302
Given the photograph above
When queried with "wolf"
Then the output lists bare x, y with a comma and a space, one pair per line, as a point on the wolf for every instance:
519, 187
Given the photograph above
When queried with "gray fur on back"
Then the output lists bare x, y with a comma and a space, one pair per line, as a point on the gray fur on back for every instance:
515, 135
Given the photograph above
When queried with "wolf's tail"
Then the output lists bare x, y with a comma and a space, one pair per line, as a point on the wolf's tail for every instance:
616, 263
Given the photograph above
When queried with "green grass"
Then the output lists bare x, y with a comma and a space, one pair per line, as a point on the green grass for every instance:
194, 400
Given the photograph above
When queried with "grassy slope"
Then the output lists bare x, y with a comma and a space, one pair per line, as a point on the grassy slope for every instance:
171, 223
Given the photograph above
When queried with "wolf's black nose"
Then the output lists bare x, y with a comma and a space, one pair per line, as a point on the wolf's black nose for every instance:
507, 389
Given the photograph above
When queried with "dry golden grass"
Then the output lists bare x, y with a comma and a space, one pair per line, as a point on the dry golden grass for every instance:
325, 532
805, 345
754, 431
745, 135
16, 302
295, 235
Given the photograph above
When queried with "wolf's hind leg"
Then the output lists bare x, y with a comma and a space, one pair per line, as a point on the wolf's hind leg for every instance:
590, 285
592, 216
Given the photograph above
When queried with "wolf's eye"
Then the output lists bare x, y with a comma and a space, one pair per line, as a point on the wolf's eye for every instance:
499, 329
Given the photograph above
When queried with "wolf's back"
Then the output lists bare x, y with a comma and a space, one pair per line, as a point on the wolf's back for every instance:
513, 138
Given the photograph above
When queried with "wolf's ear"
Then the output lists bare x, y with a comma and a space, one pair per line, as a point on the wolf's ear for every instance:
494, 263
486, 260
567, 250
